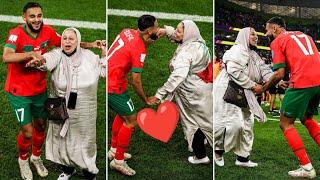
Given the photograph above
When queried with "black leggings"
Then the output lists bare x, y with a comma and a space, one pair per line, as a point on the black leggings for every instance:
198, 146
69, 170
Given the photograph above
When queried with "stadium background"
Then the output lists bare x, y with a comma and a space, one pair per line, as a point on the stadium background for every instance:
153, 159
93, 11
270, 149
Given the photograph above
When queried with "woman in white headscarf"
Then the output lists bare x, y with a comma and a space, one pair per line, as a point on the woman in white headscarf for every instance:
234, 125
74, 70
192, 94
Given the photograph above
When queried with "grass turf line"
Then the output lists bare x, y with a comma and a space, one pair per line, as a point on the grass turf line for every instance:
9, 168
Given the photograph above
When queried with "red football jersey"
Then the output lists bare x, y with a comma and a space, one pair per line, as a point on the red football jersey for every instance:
22, 81
126, 53
297, 52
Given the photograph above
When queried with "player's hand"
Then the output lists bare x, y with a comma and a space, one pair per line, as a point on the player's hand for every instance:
161, 32
34, 63
103, 48
98, 44
257, 89
284, 84
152, 100
36, 59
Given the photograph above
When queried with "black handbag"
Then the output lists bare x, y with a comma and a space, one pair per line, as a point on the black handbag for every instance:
235, 95
57, 109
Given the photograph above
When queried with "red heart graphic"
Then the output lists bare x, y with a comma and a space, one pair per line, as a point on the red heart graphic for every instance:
160, 124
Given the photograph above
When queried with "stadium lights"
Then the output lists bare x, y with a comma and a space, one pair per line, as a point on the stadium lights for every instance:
260, 33
230, 43
238, 29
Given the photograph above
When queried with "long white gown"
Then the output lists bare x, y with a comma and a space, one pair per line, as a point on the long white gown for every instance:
234, 125
78, 147
193, 96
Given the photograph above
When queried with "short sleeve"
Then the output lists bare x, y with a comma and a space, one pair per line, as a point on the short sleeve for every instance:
278, 57
13, 39
55, 38
137, 58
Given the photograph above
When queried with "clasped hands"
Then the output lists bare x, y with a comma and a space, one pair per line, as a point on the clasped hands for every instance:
259, 89
152, 100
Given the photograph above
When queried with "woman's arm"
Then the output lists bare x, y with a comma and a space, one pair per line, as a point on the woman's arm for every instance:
266, 71
181, 67
236, 72
167, 31
47, 61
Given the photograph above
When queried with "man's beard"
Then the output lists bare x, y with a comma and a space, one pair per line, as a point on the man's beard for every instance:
154, 37
252, 47
271, 38
34, 30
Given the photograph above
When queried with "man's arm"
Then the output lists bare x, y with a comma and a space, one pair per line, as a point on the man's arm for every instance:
137, 86
10, 56
274, 79
95, 44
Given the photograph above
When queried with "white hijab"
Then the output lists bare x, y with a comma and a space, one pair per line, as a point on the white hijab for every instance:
241, 54
191, 32
243, 38
73, 61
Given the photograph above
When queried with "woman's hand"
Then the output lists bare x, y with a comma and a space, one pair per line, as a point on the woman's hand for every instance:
257, 89
153, 100
161, 32
36, 60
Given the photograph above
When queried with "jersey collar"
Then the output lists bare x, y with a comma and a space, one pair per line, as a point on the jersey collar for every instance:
24, 27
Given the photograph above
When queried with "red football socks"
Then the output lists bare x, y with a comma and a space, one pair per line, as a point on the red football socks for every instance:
296, 144
37, 141
124, 137
117, 123
23, 146
314, 130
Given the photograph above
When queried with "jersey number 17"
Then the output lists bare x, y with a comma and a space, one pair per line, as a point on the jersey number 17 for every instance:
305, 51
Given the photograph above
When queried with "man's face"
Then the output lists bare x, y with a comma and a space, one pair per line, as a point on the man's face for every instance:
33, 18
153, 32
178, 34
271, 29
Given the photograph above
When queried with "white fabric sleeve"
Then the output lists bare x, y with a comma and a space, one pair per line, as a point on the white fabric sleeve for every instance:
181, 67
102, 63
52, 59
169, 32
266, 71
236, 72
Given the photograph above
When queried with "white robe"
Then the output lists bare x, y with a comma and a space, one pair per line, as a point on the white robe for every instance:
78, 147
234, 125
193, 96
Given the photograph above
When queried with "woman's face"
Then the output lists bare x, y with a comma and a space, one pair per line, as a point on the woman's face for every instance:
253, 37
69, 41
178, 34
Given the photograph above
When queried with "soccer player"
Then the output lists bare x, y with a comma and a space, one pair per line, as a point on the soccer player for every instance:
26, 87
127, 53
296, 52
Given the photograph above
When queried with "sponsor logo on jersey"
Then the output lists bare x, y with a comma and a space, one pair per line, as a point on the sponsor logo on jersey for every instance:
13, 38
142, 57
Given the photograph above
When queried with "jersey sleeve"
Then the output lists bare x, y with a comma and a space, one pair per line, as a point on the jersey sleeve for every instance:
13, 39
137, 58
278, 56
55, 38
